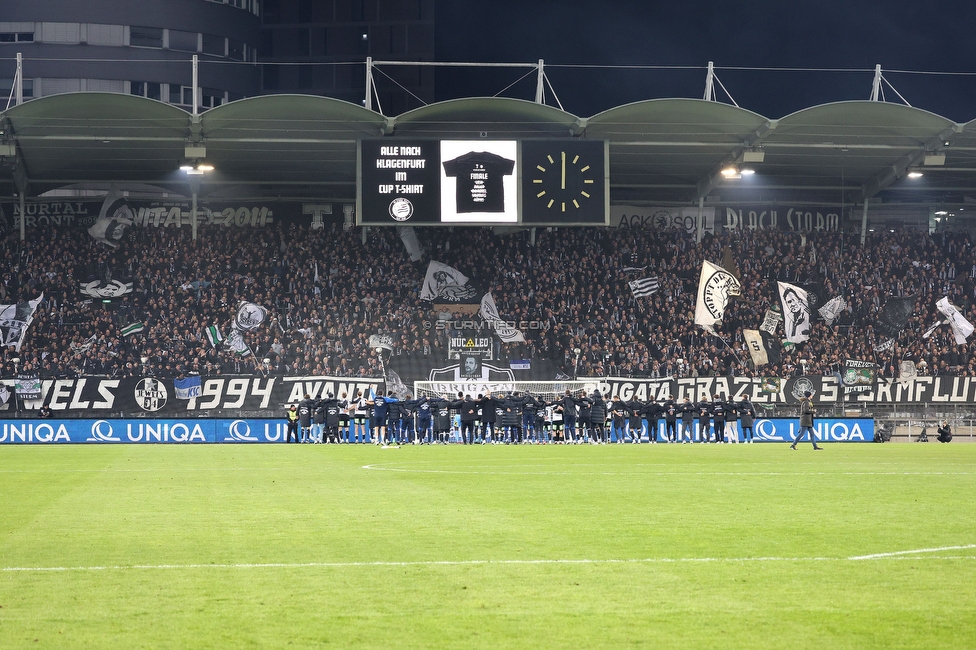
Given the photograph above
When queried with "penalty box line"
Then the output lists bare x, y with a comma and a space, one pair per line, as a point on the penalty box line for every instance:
897, 555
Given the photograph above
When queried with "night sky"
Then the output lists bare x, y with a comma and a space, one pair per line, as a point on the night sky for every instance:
851, 36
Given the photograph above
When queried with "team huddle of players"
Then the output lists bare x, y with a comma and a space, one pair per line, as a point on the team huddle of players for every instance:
519, 418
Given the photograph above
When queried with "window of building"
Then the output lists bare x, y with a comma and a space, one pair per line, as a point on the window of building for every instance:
146, 37
213, 45
183, 41
7, 86
137, 88
235, 49
212, 98
15, 37
175, 93
154, 90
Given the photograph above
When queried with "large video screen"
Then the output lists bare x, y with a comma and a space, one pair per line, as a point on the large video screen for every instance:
482, 182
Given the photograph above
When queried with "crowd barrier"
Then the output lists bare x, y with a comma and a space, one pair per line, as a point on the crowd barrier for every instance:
253, 431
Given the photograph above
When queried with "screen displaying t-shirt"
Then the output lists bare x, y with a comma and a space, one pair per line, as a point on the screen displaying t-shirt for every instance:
479, 181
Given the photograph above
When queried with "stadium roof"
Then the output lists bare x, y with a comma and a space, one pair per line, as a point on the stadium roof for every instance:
662, 151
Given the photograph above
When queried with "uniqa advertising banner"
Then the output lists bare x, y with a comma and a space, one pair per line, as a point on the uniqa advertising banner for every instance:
252, 431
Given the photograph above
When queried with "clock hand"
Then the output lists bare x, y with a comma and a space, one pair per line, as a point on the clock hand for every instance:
564, 171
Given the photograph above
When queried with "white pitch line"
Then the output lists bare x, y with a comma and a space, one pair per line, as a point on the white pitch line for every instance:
423, 563
876, 556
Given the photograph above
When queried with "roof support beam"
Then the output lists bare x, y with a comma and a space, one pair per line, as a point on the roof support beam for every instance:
889, 175
706, 185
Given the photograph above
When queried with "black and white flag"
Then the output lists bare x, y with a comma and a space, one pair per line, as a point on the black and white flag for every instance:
644, 287
796, 312
110, 289
771, 321
894, 315
962, 329
489, 312
444, 282
716, 287
14, 321
113, 219
831, 310
249, 316
757, 347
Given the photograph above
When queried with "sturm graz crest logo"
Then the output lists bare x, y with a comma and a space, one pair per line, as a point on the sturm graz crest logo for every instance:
803, 385
151, 394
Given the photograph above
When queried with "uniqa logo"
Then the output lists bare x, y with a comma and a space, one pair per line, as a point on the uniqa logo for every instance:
101, 431
241, 431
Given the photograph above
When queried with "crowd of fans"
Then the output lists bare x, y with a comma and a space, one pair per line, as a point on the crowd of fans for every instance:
328, 290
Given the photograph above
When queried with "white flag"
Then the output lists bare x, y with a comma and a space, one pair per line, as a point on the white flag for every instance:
771, 321
715, 287
757, 348
961, 328
249, 316
490, 313
831, 309
441, 279
796, 312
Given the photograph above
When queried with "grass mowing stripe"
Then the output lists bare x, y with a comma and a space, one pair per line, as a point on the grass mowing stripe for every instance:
897, 555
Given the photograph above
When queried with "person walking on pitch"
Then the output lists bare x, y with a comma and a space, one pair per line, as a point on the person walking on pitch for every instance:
806, 421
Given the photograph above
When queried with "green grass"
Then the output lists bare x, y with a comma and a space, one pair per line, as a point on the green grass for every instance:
366, 558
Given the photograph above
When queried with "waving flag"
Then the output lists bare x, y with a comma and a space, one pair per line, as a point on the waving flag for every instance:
112, 220
716, 287
447, 283
644, 287
796, 312
490, 313
962, 329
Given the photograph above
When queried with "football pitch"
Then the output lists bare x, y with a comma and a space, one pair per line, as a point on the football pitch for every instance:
753, 546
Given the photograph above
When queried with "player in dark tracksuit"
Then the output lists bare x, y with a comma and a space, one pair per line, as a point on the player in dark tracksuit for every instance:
687, 411
440, 408
530, 411
331, 405
718, 418
422, 407
651, 413
489, 416
305, 410
618, 419
747, 415
704, 415
511, 418
566, 405
598, 417
469, 414
393, 415
582, 431
635, 421
671, 411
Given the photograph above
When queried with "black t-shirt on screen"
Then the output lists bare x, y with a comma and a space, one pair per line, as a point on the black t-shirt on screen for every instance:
479, 181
